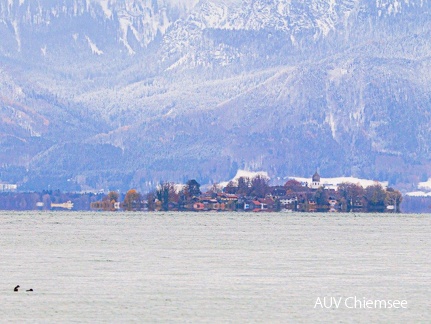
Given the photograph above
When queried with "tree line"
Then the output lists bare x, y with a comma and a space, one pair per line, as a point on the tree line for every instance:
234, 196
170, 196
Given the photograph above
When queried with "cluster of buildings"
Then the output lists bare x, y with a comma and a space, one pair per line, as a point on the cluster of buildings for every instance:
293, 196
278, 198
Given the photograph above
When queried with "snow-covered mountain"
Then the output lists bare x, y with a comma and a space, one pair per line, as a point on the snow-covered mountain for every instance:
104, 93
96, 26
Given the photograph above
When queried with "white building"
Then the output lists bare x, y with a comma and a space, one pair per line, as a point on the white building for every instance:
8, 187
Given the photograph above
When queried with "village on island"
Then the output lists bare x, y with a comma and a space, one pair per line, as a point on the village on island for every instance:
246, 192
254, 194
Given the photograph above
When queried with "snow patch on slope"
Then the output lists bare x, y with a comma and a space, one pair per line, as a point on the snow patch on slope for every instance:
419, 194
94, 48
105, 8
425, 185
17, 34
332, 183
244, 174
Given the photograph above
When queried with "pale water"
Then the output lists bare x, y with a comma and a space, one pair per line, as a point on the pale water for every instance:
215, 267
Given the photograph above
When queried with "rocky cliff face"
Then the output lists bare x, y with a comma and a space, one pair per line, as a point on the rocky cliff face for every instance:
126, 93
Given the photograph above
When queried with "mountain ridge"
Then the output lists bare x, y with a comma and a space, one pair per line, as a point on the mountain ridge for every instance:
199, 89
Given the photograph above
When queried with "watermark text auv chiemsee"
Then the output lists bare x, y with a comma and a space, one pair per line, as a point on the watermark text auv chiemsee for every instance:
354, 302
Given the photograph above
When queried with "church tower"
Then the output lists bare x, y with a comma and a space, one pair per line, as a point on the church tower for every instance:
315, 181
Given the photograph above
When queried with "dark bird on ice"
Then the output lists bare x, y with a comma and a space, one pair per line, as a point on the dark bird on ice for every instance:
16, 288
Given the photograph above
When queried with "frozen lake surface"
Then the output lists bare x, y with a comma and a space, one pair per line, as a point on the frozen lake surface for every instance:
214, 267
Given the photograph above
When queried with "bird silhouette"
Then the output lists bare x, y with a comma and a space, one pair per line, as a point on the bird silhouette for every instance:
31, 289
16, 288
